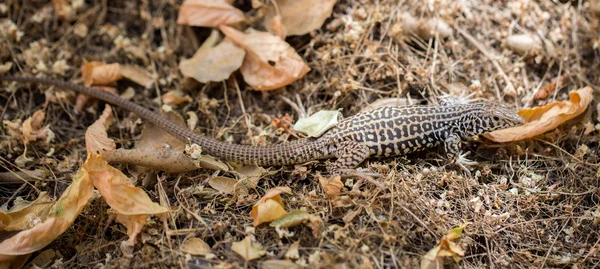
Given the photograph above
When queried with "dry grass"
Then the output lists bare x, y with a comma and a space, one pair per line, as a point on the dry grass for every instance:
529, 204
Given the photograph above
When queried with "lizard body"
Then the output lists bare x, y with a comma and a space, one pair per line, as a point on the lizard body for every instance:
385, 131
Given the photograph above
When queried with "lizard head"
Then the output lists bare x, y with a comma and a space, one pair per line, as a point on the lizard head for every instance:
495, 116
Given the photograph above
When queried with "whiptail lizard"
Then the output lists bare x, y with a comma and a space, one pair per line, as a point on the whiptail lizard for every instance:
385, 131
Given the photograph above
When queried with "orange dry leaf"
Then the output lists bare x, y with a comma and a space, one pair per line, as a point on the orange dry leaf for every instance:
32, 128
98, 73
131, 203
300, 17
26, 215
60, 217
270, 206
332, 186
213, 63
208, 13
270, 62
96, 138
549, 89
175, 97
542, 119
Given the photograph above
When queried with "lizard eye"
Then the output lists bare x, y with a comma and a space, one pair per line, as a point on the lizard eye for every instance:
496, 118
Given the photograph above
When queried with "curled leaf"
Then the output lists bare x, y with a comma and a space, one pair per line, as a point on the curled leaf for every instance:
270, 63
542, 119
270, 206
99, 73
25, 215
96, 138
213, 63
176, 97
137, 75
226, 185
33, 130
319, 123
208, 13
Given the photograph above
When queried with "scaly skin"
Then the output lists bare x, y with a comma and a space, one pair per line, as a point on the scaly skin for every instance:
386, 131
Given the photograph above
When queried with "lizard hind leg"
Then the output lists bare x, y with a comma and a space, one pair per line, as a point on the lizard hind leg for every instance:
349, 155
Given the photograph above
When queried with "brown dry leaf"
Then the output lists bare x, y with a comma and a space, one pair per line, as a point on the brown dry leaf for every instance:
33, 130
270, 206
278, 264
82, 99
118, 191
446, 248
4, 68
550, 88
26, 215
542, 119
134, 225
270, 63
137, 75
176, 97
157, 138
99, 73
213, 63
208, 13
96, 138
276, 27
226, 185
292, 252
332, 186
248, 248
249, 175
63, 10
300, 17
60, 217
195, 246
131, 203
5, 220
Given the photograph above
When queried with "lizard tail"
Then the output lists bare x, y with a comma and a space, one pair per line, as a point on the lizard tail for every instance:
281, 154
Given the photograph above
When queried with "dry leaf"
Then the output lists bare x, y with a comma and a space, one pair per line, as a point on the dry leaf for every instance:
278, 264
446, 248
99, 73
550, 88
523, 43
176, 97
270, 206
213, 63
96, 138
319, 123
33, 130
137, 75
270, 63
332, 186
249, 175
542, 119
4, 68
248, 248
208, 13
26, 215
292, 252
276, 27
134, 225
118, 191
60, 217
226, 185
157, 138
425, 29
195, 246
385, 102
291, 219
82, 99
300, 17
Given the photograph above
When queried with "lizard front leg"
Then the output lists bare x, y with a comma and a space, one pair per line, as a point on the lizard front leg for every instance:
349, 155
452, 145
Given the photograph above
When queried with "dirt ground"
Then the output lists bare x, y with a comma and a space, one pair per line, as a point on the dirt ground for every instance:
528, 204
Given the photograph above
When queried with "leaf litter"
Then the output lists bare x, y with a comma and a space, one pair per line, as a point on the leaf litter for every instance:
360, 52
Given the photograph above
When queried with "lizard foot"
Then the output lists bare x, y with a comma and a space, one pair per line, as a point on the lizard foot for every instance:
462, 162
